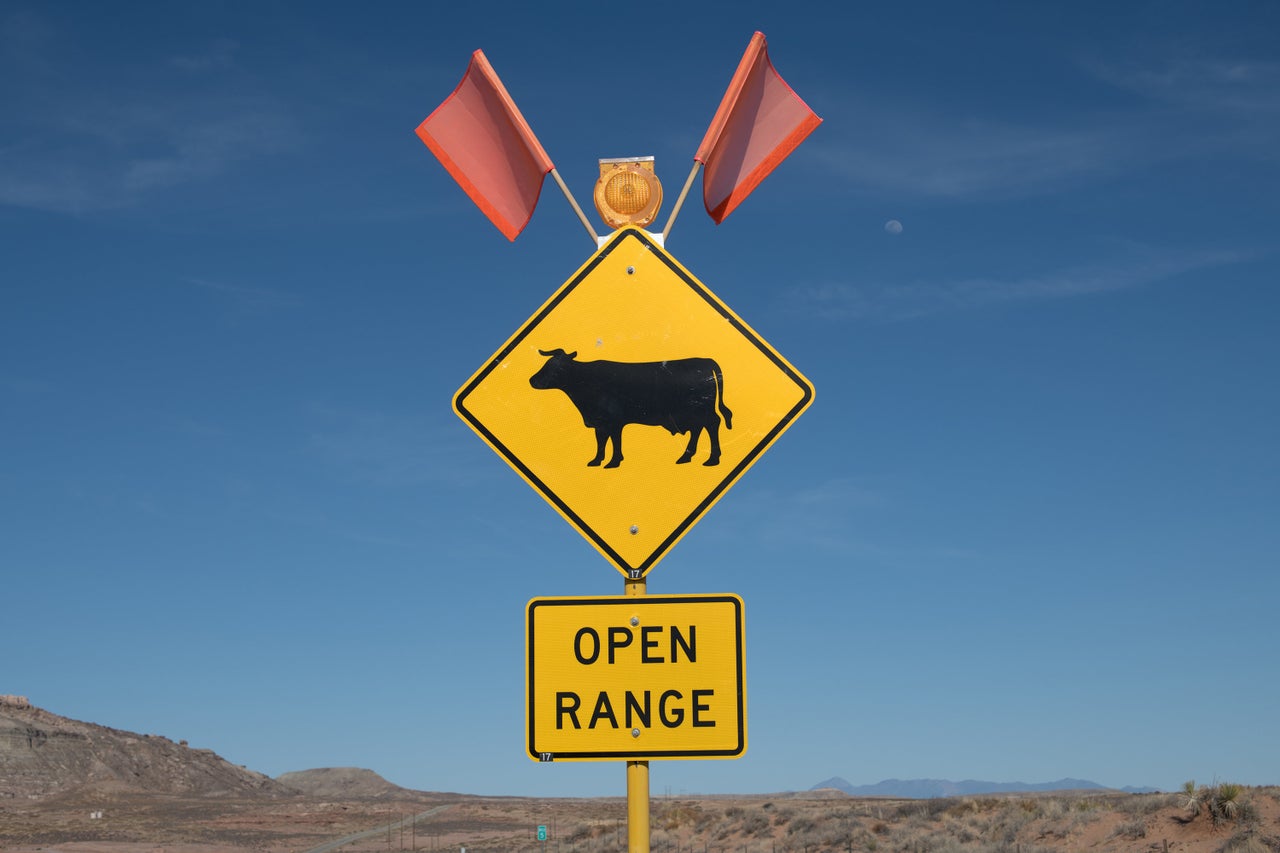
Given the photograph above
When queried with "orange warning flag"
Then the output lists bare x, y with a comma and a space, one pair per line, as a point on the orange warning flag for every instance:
481, 138
760, 121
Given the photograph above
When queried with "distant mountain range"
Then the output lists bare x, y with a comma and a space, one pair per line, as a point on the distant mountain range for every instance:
923, 789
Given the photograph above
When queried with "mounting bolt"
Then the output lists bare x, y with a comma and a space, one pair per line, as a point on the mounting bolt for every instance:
635, 620
635, 733
635, 528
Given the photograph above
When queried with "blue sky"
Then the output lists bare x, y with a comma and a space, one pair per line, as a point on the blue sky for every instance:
1026, 531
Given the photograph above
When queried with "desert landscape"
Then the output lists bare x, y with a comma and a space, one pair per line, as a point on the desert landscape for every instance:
73, 787
809, 821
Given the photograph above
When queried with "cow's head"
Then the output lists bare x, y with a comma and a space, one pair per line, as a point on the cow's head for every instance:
550, 374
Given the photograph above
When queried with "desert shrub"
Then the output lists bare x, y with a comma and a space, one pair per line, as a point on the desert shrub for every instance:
1131, 829
914, 822
662, 840
959, 830
1246, 842
1079, 813
1053, 808
822, 837
1004, 826
929, 808
974, 805
802, 825
756, 824
677, 815
783, 816
853, 816
1143, 804
946, 845
1081, 818
816, 834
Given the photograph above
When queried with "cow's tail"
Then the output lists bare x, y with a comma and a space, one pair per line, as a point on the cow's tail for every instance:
724, 410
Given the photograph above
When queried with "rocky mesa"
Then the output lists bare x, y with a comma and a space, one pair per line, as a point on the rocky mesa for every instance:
42, 753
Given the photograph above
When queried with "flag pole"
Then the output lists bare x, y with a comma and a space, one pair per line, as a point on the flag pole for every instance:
680, 201
595, 238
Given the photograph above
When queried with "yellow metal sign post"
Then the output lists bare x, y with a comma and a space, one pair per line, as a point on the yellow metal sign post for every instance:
632, 400
638, 775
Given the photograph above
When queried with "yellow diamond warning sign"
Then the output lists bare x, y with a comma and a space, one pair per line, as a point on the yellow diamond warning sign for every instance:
632, 400
636, 677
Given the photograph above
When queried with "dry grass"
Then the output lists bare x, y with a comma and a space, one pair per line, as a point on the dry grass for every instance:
784, 823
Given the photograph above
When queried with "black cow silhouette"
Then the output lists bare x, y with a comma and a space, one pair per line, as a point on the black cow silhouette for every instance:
681, 395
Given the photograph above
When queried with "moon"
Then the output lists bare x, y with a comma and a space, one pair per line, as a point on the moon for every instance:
893, 226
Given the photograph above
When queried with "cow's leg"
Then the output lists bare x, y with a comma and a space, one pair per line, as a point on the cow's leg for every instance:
617, 449
713, 433
692, 446
601, 438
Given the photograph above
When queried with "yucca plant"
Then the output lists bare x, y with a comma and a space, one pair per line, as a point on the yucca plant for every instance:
1226, 801
1193, 797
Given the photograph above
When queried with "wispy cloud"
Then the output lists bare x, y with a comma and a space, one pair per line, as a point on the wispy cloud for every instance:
249, 298
389, 450
882, 302
1184, 107
113, 155
220, 54
926, 154
833, 516
1247, 89
1208, 105
76, 143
